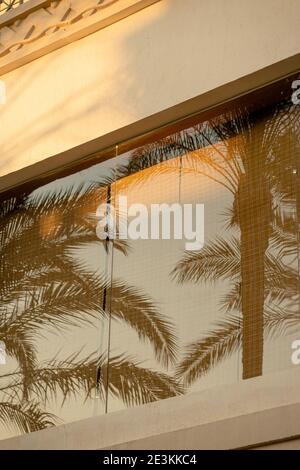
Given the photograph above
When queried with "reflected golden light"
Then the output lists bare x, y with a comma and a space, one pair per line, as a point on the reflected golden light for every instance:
49, 224
192, 166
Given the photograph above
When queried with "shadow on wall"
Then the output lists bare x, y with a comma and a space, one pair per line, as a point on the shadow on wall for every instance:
77, 93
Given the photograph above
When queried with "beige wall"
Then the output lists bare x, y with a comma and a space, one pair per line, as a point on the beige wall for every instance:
165, 54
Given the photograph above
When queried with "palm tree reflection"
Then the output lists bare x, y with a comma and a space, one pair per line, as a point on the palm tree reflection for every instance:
251, 155
44, 286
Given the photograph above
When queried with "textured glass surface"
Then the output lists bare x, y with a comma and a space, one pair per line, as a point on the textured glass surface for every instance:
91, 325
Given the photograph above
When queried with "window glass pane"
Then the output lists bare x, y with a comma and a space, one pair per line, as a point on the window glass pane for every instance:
54, 272
281, 305
170, 268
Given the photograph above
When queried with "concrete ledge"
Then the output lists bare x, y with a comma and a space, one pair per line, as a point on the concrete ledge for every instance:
245, 414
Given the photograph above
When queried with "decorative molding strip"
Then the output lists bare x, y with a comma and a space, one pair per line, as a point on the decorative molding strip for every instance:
21, 10
52, 28
8, 5
49, 25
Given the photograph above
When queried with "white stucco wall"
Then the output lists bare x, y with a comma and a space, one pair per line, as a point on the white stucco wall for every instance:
165, 54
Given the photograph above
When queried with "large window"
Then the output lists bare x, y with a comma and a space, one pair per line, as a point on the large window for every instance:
92, 321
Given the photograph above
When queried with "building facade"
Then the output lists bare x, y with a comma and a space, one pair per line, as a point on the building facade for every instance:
150, 214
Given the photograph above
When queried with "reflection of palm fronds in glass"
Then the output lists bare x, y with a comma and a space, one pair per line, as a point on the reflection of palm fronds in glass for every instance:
43, 287
220, 260
25, 417
251, 154
128, 381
